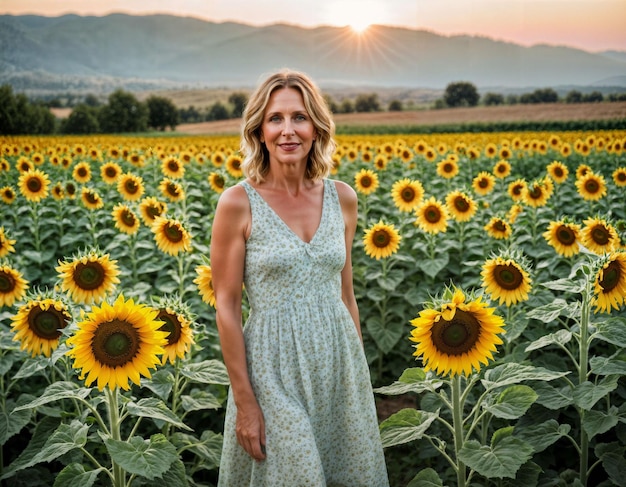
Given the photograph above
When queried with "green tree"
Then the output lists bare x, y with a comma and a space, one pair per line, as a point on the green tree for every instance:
395, 106
461, 94
367, 103
346, 106
332, 104
574, 96
594, 96
82, 120
490, 99
123, 113
19, 116
218, 111
162, 113
238, 101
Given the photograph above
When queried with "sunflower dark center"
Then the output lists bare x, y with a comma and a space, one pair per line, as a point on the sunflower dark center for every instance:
535, 192
219, 181
592, 186
173, 232
47, 324
611, 276
89, 276
173, 166
366, 181
34, 184
448, 168
407, 194
558, 172
128, 218
91, 197
153, 211
600, 235
235, 164
500, 226
483, 183
82, 172
501, 168
457, 336
517, 190
131, 186
565, 235
170, 325
7, 282
381, 238
621, 176
111, 172
115, 343
432, 214
508, 276
172, 189
461, 204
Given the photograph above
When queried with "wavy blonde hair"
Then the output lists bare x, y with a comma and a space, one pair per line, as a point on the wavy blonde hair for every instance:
256, 161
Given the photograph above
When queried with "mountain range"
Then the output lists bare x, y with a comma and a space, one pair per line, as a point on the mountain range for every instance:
161, 51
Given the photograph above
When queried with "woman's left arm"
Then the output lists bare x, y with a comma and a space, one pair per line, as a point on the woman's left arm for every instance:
349, 207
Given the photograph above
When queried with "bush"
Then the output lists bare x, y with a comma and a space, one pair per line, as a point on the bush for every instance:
460, 94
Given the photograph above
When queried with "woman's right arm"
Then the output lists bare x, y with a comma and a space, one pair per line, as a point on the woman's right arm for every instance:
230, 228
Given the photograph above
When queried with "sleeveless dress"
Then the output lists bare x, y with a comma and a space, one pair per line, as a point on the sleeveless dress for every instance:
305, 360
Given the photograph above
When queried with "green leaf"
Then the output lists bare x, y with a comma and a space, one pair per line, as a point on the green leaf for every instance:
513, 402
150, 459
608, 365
528, 474
566, 284
426, 478
613, 456
200, 400
74, 474
176, 476
154, 408
515, 328
501, 460
30, 367
514, 373
551, 397
612, 331
11, 423
55, 392
208, 448
161, 383
412, 380
598, 422
541, 436
560, 337
412, 375
391, 280
587, 394
404, 426
432, 267
386, 336
548, 312
33, 256
206, 372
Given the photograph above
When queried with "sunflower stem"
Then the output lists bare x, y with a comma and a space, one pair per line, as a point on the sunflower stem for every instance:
583, 356
114, 429
457, 420
181, 274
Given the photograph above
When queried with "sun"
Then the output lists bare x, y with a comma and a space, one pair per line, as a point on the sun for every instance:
357, 15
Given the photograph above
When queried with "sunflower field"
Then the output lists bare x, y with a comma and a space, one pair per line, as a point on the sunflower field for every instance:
490, 271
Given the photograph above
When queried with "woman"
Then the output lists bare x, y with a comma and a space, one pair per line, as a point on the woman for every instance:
300, 409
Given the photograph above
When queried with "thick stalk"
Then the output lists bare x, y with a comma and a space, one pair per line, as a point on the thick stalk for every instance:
583, 356
457, 422
114, 428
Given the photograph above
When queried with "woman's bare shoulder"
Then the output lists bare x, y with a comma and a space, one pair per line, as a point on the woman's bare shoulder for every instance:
234, 199
346, 193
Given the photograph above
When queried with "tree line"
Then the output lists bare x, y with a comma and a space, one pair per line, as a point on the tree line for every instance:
124, 113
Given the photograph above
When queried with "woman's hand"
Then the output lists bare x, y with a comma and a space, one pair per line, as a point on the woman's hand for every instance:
250, 429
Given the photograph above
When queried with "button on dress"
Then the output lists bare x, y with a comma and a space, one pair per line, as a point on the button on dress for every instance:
305, 361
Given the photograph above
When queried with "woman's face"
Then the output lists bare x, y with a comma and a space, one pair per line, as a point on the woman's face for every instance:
287, 129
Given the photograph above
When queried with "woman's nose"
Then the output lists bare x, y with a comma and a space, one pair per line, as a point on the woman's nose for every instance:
288, 128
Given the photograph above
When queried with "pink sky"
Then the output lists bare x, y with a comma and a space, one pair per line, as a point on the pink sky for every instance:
592, 25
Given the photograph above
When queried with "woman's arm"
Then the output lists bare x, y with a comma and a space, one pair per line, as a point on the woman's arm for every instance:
349, 208
228, 247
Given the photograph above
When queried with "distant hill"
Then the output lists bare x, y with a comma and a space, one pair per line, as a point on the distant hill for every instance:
162, 51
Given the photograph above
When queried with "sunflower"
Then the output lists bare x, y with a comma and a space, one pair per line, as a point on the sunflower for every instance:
116, 343
460, 206
591, 186
204, 281
406, 155
380, 162
536, 194
506, 280
172, 190
170, 236
173, 168
599, 236
89, 276
484, 183
447, 168
6, 244
34, 185
407, 194
233, 166
150, 208
505, 153
381, 240
217, 182
564, 237
12, 285
558, 171
24, 164
366, 181
457, 336
498, 228
82, 172
110, 172
516, 190
619, 177
7, 194
491, 150
502, 169
515, 211
566, 150
582, 169
432, 216
70, 190
58, 192
125, 219
179, 334
91, 199
38, 325
130, 186
610, 283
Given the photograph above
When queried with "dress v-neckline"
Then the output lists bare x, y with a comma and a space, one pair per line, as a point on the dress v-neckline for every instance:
284, 223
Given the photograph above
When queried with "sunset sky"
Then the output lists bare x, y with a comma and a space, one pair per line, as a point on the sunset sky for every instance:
592, 25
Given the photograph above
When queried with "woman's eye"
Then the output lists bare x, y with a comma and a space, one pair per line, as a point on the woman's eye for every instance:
300, 118
275, 118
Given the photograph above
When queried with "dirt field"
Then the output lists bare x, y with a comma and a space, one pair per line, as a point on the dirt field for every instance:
508, 113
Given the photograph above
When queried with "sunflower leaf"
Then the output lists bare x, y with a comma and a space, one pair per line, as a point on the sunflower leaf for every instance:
548, 312
206, 372
541, 436
432, 267
161, 383
55, 392
513, 402
404, 426
154, 408
12, 422
208, 448
551, 397
560, 337
612, 331
387, 336
150, 459
608, 365
200, 400
598, 422
514, 373
587, 394
391, 280
613, 457
498, 461
575, 286
426, 478
75, 474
